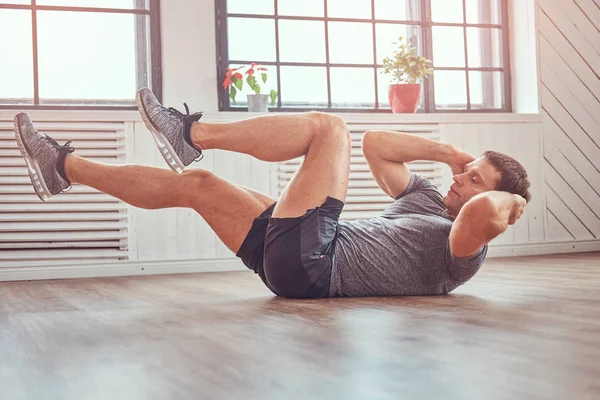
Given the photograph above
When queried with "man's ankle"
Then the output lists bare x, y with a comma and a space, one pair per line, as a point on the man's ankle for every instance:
196, 134
68, 168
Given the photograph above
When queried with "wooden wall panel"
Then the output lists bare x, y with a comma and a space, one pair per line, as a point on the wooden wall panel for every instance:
569, 60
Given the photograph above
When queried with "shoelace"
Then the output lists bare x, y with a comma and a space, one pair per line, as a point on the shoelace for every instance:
179, 114
57, 147
53, 142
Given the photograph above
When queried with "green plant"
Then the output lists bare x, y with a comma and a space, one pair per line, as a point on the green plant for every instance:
234, 81
405, 65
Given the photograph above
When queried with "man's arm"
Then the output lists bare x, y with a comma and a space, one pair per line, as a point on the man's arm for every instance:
483, 218
387, 152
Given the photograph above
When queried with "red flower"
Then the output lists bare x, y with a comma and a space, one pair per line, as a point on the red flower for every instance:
254, 66
231, 72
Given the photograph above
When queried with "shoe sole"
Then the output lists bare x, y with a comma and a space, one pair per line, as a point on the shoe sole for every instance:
164, 147
33, 168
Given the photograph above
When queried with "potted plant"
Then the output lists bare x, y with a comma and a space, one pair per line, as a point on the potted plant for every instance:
234, 82
407, 69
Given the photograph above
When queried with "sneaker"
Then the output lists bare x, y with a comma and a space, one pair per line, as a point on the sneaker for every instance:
171, 130
44, 157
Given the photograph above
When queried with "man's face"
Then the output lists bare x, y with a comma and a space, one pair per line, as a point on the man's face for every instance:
479, 176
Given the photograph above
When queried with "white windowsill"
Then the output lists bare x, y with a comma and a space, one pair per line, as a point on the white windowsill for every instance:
133, 116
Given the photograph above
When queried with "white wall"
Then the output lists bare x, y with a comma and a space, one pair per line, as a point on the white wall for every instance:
189, 54
188, 23
190, 66
569, 43
523, 56
184, 240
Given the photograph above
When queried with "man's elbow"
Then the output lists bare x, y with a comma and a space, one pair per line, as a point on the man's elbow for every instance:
484, 210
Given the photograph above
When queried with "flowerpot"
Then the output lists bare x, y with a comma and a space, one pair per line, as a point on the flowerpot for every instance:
258, 103
404, 97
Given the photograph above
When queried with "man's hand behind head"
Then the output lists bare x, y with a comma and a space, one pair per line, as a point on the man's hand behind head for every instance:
459, 161
518, 209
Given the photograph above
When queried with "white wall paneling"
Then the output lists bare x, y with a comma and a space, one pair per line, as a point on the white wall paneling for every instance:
560, 51
570, 96
82, 224
181, 234
365, 199
521, 141
168, 234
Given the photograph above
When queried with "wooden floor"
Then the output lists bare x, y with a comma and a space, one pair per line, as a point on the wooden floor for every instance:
523, 328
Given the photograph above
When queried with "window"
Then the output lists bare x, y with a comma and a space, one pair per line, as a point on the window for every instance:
328, 54
78, 53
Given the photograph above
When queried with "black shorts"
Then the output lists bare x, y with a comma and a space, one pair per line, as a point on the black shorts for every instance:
293, 256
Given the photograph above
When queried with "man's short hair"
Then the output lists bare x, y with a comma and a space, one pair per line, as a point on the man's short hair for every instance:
513, 176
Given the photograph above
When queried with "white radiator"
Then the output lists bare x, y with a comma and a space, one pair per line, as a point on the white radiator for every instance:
82, 224
365, 199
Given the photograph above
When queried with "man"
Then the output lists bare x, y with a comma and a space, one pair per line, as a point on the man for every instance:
422, 244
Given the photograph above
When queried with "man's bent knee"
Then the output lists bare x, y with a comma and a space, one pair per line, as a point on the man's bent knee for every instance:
194, 181
199, 176
329, 125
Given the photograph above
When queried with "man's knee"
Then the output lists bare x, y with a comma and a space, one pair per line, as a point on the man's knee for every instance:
195, 180
198, 176
329, 125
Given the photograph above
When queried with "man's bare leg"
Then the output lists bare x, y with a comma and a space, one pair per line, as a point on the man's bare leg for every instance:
322, 138
324, 141
227, 208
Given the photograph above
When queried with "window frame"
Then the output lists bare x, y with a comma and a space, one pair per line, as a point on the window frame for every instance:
155, 58
425, 25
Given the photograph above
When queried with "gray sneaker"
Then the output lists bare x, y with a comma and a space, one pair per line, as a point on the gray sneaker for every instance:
171, 130
44, 157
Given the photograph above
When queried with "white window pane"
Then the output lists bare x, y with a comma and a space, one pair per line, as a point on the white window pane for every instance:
16, 67
241, 99
383, 84
398, 10
261, 30
447, 11
303, 86
307, 47
476, 87
350, 43
450, 89
15, 1
484, 47
266, 7
486, 89
349, 9
387, 34
305, 8
352, 87
125, 4
96, 63
483, 12
448, 46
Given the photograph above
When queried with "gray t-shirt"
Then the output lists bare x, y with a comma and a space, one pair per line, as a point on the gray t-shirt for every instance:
404, 251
